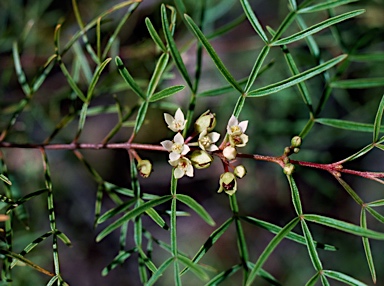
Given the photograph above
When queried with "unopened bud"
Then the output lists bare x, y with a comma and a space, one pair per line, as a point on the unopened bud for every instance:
230, 152
288, 169
240, 171
228, 183
296, 141
201, 159
206, 121
145, 168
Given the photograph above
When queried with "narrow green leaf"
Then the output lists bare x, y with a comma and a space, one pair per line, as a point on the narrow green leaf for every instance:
115, 211
72, 82
52, 281
325, 6
224, 275
173, 48
65, 239
270, 247
19, 71
154, 35
378, 119
130, 215
166, 92
278, 86
265, 275
295, 196
5, 179
307, 128
141, 116
148, 262
367, 247
118, 260
253, 20
350, 191
316, 28
313, 280
358, 154
190, 202
217, 61
344, 226
129, 79
345, 124
378, 203
367, 57
343, 278
375, 214
215, 235
227, 27
96, 77
358, 83
256, 67
153, 214
160, 271
293, 4
324, 280
311, 247
83, 116
81, 62
157, 73
43, 73
292, 236
195, 268
284, 25
116, 31
26, 261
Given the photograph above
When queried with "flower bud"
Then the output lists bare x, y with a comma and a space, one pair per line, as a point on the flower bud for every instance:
288, 169
230, 152
145, 168
228, 183
201, 159
240, 171
296, 141
206, 121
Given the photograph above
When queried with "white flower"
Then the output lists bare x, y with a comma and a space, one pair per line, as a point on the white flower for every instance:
176, 123
206, 141
235, 128
183, 167
238, 140
177, 148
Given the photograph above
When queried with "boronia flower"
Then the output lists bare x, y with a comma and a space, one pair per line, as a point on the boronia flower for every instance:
228, 183
176, 123
183, 166
230, 152
207, 141
201, 159
238, 140
177, 148
145, 168
234, 128
206, 121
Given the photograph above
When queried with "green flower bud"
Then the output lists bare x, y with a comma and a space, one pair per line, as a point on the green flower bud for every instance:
296, 141
201, 159
240, 171
206, 121
296, 150
228, 183
288, 169
230, 152
145, 168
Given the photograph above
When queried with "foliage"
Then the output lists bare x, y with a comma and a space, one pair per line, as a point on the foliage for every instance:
310, 76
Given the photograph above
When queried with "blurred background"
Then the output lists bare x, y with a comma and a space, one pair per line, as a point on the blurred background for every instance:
273, 121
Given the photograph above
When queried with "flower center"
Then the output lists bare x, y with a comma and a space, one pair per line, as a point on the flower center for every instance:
205, 141
236, 130
177, 148
178, 124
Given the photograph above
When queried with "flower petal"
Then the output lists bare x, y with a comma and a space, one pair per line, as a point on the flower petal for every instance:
174, 156
179, 115
214, 136
168, 119
189, 171
232, 121
243, 125
178, 138
212, 148
185, 149
167, 144
178, 173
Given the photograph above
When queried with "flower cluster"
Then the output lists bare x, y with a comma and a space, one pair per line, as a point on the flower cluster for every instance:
178, 148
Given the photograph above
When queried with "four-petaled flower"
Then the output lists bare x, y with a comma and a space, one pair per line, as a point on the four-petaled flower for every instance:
176, 123
236, 132
177, 148
183, 166
207, 141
